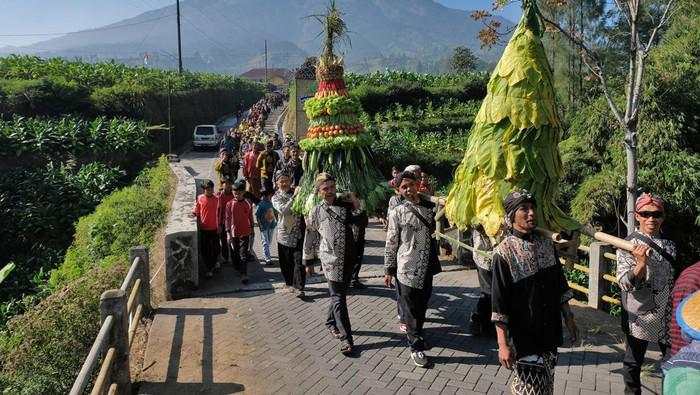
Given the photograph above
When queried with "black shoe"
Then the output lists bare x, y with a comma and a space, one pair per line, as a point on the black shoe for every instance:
475, 325
358, 285
420, 359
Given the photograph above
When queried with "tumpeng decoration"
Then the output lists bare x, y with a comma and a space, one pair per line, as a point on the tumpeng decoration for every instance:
336, 141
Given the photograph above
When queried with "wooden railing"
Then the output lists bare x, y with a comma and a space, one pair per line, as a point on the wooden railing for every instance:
598, 269
121, 310
599, 277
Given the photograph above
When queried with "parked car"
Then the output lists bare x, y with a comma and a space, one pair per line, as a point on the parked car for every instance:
206, 136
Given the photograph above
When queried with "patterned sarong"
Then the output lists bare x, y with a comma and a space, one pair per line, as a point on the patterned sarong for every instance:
534, 375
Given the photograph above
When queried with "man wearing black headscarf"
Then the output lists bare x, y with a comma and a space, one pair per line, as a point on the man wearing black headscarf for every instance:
529, 296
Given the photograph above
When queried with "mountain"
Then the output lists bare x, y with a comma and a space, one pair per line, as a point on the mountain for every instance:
229, 35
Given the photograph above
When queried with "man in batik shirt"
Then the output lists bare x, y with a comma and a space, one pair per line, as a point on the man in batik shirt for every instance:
529, 297
290, 234
646, 280
329, 236
411, 257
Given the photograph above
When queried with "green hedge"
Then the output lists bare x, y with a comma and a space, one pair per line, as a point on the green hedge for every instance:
379, 98
38, 209
32, 86
42, 350
72, 138
127, 217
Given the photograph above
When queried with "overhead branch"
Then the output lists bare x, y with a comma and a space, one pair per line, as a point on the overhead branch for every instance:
665, 17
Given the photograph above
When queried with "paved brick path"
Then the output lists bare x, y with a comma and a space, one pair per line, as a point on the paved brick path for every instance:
261, 339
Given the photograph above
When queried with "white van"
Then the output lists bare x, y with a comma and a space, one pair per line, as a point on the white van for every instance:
205, 136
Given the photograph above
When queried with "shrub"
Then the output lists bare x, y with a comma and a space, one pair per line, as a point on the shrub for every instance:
42, 350
127, 217
72, 138
46, 96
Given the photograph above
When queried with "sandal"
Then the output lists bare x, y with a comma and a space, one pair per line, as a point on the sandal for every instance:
335, 333
346, 349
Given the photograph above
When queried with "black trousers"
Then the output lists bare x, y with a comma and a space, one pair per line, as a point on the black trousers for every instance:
338, 317
413, 304
635, 349
291, 265
359, 251
239, 253
482, 314
223, 243
209, 242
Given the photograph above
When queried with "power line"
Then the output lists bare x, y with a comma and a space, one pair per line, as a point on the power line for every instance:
87, 31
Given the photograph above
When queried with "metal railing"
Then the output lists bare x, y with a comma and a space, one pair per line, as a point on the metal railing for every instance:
121, 311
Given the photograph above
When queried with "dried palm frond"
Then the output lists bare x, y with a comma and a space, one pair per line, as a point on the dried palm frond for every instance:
335, 31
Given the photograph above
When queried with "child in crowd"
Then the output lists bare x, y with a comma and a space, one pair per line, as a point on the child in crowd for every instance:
205, 209
265, 214
239, 227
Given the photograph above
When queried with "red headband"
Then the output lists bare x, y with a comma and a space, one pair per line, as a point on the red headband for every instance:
647, 199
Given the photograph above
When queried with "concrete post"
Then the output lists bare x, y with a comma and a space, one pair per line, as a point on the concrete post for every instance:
144, 274
597, 266
113, 302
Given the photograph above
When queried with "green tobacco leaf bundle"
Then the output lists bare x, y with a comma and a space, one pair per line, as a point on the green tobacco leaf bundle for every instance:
514, 141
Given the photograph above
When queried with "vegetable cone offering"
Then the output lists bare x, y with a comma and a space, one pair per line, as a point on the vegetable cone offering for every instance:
514, 140
336, 141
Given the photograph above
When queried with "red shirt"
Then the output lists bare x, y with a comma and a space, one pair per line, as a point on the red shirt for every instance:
224, 198
239, 217
687, 283
206, 211
250, 167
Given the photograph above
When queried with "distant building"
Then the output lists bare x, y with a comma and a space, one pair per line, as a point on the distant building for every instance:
278, 77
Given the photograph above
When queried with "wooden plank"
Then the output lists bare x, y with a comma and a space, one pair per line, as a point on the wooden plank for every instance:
135, 323
611, 278
133, 296
611, 300
91, 360
577, 287
103, 376
130, 275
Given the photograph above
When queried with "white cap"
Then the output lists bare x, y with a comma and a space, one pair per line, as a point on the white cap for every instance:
412, 168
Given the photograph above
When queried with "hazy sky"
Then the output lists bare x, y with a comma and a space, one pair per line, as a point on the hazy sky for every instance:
29, 17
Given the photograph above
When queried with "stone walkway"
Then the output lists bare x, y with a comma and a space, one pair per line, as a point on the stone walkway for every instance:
262, 340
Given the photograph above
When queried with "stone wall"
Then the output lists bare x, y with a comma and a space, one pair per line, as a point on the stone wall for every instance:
181, 242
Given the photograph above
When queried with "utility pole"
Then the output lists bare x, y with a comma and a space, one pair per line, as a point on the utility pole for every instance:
179, 41
265, 62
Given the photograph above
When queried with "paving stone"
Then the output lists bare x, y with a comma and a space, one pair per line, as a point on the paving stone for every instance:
270, 341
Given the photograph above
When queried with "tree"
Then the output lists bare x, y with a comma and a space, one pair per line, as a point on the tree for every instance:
642, 22
463, 60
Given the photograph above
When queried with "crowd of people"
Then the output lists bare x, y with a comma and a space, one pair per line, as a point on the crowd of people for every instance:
524, 299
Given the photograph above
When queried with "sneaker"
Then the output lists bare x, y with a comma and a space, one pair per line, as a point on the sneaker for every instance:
403, 328
419, 359
209, 274
301, 295
244, 279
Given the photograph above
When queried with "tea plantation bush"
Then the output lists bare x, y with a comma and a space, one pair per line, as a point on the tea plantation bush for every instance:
41, 351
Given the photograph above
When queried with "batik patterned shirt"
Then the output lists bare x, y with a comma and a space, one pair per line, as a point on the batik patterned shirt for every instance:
482, 243
528, 288
289, 225
651, 326
329, 237
407, 253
